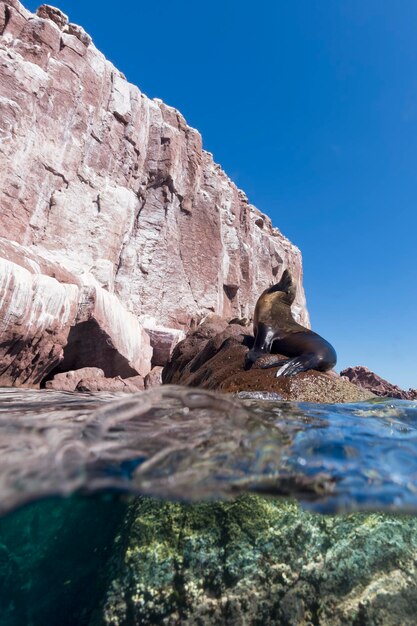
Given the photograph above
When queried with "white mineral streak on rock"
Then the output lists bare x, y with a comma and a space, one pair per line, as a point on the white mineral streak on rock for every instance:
38, 311
97, 178
33, 301
163, 340
129, 337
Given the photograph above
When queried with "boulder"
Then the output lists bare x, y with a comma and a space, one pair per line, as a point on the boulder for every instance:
48, 12
53, 321
67, 381
154, 378
163, 340
127, 385
366, 379
213, 357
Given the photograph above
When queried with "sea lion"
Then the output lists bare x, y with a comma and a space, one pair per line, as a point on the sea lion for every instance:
276, 329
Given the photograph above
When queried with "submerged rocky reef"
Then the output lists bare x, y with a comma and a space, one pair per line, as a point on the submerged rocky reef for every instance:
105, 562
258, 561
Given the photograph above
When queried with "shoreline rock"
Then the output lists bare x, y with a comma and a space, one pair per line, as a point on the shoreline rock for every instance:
366, 379
54, 321
213, 355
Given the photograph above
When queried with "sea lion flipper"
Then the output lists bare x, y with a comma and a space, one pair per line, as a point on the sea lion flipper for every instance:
272, 363
298, 364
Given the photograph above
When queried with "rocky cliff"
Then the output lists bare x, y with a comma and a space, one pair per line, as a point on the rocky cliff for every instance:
113, 218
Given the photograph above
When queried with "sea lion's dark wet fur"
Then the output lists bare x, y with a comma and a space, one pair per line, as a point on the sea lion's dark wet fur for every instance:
275, 329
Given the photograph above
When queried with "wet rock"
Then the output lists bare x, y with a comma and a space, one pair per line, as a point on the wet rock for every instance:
366, 379
154, 378
67, 381
213, 357
310, 386
127, 385
256, 561
259, 395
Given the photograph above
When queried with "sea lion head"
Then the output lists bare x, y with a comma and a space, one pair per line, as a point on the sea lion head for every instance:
285, 289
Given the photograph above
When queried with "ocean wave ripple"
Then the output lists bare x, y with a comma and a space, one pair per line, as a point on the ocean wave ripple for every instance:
189, 444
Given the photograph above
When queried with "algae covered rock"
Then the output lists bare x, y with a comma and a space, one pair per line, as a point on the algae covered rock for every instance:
255, 561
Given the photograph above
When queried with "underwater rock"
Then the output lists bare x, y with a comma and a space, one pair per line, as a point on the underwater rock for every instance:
164, 230
366, 379
257, 561
213, 357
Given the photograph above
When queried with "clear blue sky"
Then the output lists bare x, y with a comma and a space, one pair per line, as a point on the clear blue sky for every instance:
311, 108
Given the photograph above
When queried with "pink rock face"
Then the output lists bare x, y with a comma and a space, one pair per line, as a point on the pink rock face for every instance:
365, 378
163, 340
53, 320
179, 238
96, 179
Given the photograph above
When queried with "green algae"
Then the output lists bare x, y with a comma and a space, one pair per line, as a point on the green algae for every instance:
103, 561
259, 561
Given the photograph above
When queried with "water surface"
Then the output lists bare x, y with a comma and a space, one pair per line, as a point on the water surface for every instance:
188, 444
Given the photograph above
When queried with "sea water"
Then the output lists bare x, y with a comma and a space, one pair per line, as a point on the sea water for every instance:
179, 505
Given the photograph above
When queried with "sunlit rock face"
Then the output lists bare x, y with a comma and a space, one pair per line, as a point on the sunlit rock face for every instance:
96, 179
